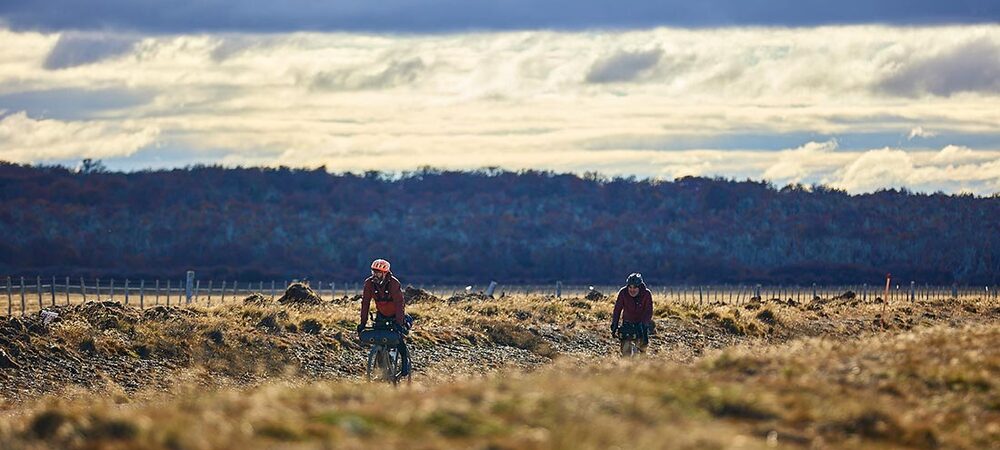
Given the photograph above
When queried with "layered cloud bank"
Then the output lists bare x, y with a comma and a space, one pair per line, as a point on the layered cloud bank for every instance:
856, 107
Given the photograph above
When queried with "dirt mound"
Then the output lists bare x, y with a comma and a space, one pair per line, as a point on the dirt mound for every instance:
15, 338
105, 315
256, 299
415, 295
595, 295
299, 294
849, 295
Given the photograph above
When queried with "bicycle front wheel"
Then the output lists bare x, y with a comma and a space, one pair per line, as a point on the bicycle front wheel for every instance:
372, 360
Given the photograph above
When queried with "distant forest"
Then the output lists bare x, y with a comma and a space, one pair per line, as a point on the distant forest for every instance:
470, 227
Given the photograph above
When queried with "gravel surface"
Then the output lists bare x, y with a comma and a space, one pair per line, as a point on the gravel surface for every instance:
124, 349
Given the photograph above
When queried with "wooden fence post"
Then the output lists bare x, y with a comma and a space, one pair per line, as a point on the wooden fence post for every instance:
53, 290
67, 291
157, 295
700, 297
142, 293
126, 292
234, 289
209, 292
97, 286
885, 299
913, 286
272, 289
168, 292
223, 300
188, 287
332, 294
10, 299
24, 303
83, 289
38, 288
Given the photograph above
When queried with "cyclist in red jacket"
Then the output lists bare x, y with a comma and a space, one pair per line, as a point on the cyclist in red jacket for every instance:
390, 309
635, 309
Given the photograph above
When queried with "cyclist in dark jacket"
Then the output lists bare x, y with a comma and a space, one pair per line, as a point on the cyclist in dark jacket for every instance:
390, 308
634, 307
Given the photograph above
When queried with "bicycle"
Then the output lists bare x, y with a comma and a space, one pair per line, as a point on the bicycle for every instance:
629, 335
385, 362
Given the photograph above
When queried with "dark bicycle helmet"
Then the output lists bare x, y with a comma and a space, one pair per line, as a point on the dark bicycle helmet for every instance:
634, 279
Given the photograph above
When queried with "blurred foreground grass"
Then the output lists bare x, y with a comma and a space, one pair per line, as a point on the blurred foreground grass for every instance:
923, 388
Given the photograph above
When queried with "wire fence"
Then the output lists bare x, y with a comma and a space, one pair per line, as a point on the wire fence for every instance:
26, 295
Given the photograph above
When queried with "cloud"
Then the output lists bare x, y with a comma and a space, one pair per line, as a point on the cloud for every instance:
23, 139
916, 132
396, 73
876, 169
893, 168
623, 66
972, 67
958, 155
73, 104
77, 49
734, 102
795, 165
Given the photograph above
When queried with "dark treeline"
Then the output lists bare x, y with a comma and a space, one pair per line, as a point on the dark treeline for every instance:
442, 227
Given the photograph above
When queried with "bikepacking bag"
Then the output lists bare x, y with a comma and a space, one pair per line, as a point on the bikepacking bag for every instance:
380, 337
630, 331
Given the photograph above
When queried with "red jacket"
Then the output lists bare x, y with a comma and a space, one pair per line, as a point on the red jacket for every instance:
637, 309
388, 298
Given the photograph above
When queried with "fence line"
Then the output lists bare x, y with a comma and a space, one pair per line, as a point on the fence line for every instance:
229, 291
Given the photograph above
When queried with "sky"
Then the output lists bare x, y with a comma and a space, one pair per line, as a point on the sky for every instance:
858, 95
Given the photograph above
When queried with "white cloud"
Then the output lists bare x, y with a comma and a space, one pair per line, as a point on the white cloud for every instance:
916, 132
876, 169
23, 139
894, 168
972, 66
522, 99
793, 166
954, 154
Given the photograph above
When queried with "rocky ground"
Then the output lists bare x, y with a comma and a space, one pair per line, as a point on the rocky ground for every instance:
108, 347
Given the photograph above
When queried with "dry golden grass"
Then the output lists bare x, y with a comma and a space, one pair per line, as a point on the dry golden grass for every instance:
823, 373
925, 388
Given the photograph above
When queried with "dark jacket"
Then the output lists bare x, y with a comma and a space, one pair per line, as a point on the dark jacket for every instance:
388, 297
633, 309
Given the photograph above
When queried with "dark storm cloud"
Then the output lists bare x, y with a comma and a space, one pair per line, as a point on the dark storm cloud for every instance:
456, 15
974, 67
